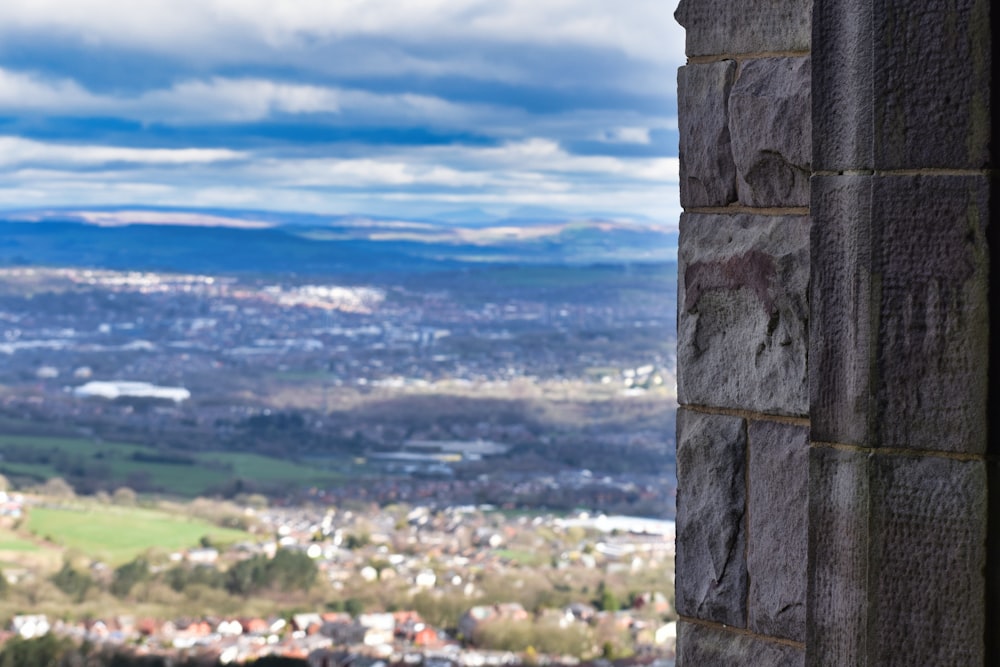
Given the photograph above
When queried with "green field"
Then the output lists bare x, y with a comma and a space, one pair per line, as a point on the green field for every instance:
117, 463
117, 535
11, 542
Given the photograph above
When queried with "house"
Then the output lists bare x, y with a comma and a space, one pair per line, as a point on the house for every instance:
476, 617
229, 628
302, 622
29, 626
203, 556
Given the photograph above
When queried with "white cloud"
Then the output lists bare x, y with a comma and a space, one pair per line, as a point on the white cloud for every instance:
24, 92
16, 152
626, 135
222, 29
236, 100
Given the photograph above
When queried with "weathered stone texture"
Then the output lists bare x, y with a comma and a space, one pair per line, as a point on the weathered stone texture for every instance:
837, 612
896, 559
842, 84
707, 172
931, 254
840, 317
928, 528
742, 331
900, 311
932, 73
711, 531
760, 26
701, 646
771, 128
901, 84
778, 528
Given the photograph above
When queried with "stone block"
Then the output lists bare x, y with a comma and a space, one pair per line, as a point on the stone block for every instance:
837, 610
702, 646
842, 85
928, 530
777, 532
932, 300
722, 27
707, 172
900, 317
711, 581
901, 84
932, 73
840, 340
770, 123
897, 552
742, 331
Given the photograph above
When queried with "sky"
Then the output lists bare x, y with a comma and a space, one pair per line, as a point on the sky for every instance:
400, 108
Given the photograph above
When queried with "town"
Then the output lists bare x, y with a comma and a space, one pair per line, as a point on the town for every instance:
443, 468
400, 584
388, 388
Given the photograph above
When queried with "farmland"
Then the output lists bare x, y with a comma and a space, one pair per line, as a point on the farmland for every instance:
115, 534
36, 458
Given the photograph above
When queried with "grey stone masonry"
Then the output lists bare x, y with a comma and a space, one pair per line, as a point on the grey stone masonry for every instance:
711, 531
708, 174
899, 332
778, 534
748, 26
928, 554
836, 609
901, 84
771, 130
712, 647
838, 475
896, 559
900, 320
744, 103
742, 331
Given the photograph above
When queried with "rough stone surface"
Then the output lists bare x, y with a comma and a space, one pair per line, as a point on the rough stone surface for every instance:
751, 26
771, 127
901, 84
711, 504
932, 257
707, 172
840, 340
842, 84
778, 528
701, 646
742, 331
837, 612
900, 316
928, 531
932, 73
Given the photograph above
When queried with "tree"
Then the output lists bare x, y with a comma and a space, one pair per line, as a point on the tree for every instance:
128, 575
57, 487
125, 496
288, 570
72, 582
45, 651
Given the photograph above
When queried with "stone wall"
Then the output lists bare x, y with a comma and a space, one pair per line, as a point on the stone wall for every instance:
743, 437
834, 456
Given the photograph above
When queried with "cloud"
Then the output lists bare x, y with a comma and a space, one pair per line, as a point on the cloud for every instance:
626, 135
18, 152
221, 99
367, 106
223, 30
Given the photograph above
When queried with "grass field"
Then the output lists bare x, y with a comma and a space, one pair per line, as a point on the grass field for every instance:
117, 535
209, 468
9, 541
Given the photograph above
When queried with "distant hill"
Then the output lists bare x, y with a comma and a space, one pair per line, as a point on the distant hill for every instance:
210, 240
